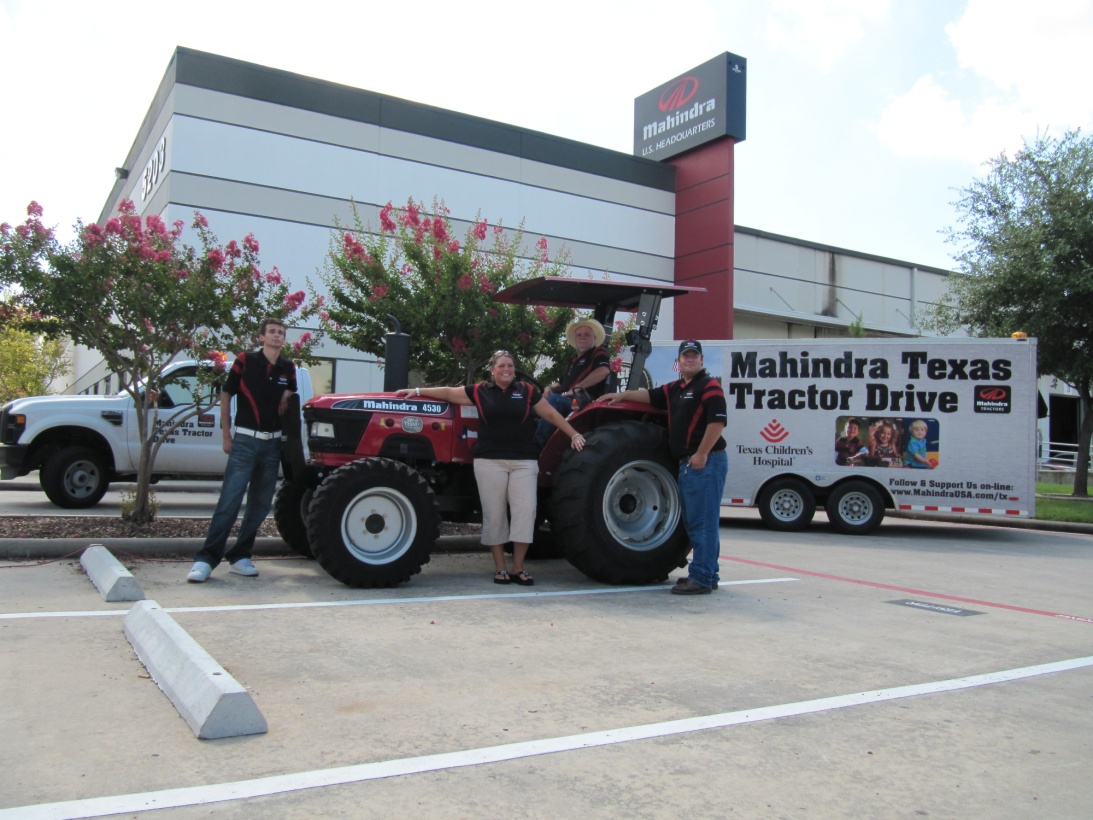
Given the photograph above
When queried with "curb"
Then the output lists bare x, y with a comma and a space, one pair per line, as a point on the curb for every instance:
997, 521
22, 549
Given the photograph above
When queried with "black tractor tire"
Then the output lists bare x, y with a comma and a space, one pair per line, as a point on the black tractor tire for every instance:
855, 508
787, 504
616, 506
373, 523
290, 507
75, 477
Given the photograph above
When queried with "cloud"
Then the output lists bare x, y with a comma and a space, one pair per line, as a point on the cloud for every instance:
821, 30
1018, 67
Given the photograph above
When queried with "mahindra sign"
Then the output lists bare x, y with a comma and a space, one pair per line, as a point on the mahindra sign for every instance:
702, 105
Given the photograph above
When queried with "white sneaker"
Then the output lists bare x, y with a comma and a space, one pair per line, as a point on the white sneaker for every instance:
244, 566
199, 572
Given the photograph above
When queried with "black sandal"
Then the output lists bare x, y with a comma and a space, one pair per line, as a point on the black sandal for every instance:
523, 579
501, 577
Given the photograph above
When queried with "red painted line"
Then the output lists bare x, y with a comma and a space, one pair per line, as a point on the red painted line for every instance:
911, 591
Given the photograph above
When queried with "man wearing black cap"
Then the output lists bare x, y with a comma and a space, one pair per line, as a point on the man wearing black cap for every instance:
696, 418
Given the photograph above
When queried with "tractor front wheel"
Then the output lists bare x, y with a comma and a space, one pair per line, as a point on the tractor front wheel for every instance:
373, 523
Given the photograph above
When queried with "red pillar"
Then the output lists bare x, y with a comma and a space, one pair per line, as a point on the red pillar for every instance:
705, 232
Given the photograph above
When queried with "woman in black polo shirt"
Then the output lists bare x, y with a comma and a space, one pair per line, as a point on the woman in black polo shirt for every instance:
506, 463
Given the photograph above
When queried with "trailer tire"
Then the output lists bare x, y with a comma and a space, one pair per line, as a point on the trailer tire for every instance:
616, 506
290, 507
75, 477
787, 504
373, 523
855, 508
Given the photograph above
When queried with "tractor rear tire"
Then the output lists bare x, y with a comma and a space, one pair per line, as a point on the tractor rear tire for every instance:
617, 508
373, 523
290, 515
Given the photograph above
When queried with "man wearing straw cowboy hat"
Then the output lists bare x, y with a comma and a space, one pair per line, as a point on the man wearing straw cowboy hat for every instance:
588, 370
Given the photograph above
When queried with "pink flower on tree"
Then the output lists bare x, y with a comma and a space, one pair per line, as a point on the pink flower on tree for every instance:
155, 225
453, 246
440, 230
486, 286
274, 277
387, 225
200, 221
250, 244
113, 226
458, 346
93, 235
216, 258
294, 300
466, 282
219, 359
437, 253
616, 365
479, 230
378, 292
524, 336
232, 250
34, 209
163, 256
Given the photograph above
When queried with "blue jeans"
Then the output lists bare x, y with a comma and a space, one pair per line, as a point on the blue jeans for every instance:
564, 405
251, 471
700, 494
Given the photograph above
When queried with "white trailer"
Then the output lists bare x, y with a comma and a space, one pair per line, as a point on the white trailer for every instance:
858, 426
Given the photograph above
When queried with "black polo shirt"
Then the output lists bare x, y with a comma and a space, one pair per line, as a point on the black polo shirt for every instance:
506, 422
581, 366
691, 409
258, 386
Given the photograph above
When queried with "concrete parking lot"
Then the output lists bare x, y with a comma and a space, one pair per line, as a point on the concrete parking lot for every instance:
930, 670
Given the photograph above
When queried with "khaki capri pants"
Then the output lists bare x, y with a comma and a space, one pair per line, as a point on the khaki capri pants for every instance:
507, 489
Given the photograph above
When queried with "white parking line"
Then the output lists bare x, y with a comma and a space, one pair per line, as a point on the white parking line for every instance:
375, 601
280, 784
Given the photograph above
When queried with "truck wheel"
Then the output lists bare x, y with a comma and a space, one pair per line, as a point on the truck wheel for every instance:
290, 514
75, 477
616, 506
786, 504
855, 508
373, 522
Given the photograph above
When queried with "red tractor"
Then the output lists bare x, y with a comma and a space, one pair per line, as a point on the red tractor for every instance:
384, 472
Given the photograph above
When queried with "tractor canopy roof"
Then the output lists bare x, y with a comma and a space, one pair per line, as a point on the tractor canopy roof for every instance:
599, 296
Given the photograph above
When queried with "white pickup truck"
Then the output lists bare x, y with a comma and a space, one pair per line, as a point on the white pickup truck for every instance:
82, 443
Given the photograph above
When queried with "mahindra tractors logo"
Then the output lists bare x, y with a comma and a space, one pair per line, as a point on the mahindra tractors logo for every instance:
678, 94
993, 393
774, 432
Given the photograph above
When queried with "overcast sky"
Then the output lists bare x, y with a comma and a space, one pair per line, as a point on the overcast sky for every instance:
863, 117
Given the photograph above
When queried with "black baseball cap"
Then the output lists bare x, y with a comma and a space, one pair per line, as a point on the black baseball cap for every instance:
690, 344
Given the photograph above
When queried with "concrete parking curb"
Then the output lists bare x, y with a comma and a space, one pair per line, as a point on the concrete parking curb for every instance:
113, 581
211, 701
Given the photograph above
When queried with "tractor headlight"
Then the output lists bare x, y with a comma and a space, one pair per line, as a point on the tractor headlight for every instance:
322, 429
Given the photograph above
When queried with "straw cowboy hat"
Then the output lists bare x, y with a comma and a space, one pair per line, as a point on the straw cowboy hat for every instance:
596, 328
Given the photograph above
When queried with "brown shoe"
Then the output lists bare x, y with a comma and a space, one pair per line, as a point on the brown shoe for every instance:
685, 586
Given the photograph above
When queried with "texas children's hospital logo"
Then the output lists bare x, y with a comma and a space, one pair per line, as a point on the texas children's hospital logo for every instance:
774, 453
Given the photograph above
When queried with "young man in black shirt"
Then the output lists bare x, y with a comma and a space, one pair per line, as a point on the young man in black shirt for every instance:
696, 418
261, 380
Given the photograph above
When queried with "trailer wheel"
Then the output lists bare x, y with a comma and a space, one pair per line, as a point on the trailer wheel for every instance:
290, 515
373, 522
75, 477
617, 508
855, 508
787, 504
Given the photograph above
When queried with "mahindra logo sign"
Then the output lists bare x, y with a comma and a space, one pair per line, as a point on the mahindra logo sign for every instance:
992, 393
774, 432
993, 398
678, 94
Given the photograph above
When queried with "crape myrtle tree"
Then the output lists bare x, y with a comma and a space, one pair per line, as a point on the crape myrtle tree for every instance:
440, 289
29, 360
1026, 263
135, 293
